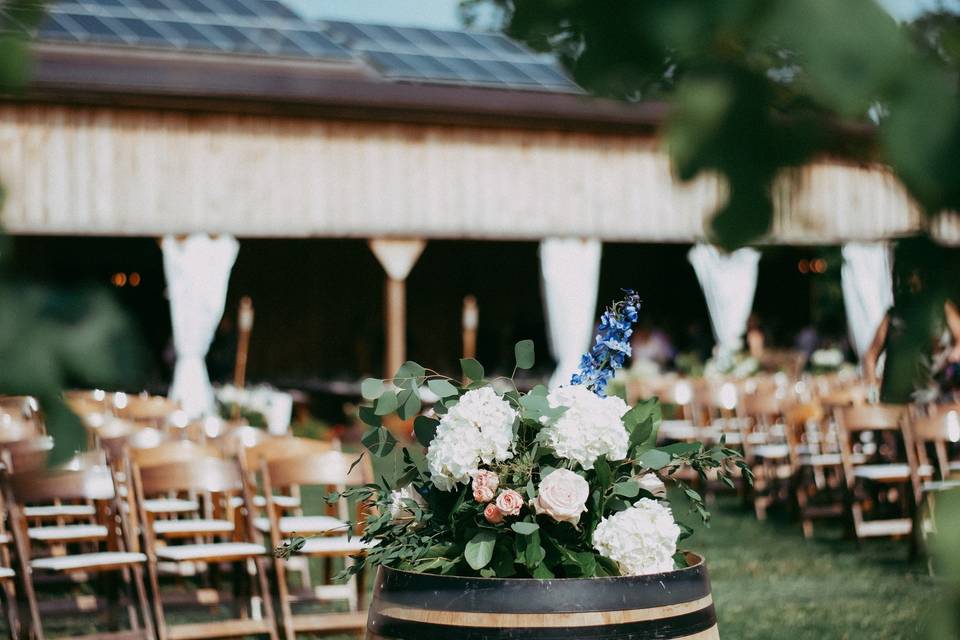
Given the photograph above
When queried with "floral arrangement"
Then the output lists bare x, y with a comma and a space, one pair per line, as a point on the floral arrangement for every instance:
261, 406
736, 364
549, 483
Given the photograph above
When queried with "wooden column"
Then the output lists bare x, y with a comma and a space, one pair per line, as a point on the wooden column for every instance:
244, 327
397, 258
470, 321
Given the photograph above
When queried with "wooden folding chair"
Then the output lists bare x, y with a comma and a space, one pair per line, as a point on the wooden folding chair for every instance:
219, 479
166, 510
880, 479
118, 553
765, 448
935, 433
331, 537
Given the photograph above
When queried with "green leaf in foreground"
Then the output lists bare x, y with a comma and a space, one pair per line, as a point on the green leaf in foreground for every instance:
425, 429
655, 459
442, 388
479, 550
523, 352
371, 388
471, 369
525, 528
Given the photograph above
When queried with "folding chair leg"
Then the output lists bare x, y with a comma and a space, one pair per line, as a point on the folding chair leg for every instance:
286, 613
131, 606
141, 591
10, 610
158, 616
266, 597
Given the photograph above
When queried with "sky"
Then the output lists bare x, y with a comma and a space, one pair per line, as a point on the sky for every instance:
442, 14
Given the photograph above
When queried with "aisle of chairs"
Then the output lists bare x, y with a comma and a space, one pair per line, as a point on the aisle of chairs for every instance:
819, 448
165, 527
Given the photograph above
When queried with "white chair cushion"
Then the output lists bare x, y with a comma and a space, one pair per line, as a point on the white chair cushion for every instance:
821, 459
954, 466
889, 472
334, 545
192, 525
85, 560
67, 532
6, 573
188, 552
302, 524
940, 485
59, 511
771, 451
170, 505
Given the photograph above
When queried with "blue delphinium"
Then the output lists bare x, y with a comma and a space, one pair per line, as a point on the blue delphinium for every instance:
612, 345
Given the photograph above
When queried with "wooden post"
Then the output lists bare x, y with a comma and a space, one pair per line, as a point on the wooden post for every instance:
470, 320
244, 327
397, 258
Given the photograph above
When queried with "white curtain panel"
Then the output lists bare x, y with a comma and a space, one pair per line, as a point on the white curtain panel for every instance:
197, 270
729, 281
570, 268
867, 280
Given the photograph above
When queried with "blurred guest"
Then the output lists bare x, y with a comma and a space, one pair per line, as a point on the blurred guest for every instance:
755, 337
650, 344
807, 341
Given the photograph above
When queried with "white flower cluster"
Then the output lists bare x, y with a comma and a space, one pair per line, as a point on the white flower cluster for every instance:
397, 506
827, 358
478, 429
641, 539
591, 426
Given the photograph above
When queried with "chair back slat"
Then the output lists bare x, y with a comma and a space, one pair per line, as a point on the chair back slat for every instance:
326, 468
280, 448
171, 452
91, 483
205, 474
870, 418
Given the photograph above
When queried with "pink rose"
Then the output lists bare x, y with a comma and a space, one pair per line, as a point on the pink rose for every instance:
485, 484
493, 514
509, 502
562, 495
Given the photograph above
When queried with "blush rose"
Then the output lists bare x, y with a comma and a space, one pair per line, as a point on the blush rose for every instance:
562, 495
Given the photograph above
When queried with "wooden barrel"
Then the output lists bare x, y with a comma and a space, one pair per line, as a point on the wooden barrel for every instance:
414, 606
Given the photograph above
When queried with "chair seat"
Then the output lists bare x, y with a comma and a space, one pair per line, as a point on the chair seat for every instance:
59, 511
282, 501
883, 528
192, 526
83, 561
68, 532
889, 472
940, 485
821, 459
955, 465
334, 545
771, 451
303, 524
213, 551
6, 573
170, 505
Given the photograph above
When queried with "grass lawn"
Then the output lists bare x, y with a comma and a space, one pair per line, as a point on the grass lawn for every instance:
769, 582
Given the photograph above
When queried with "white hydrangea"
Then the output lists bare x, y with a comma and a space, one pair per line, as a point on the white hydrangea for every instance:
641, 539
590, 427
478, 429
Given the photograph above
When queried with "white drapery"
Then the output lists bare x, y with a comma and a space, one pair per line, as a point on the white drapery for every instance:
729, 281
570, 270
197, 269
867, 280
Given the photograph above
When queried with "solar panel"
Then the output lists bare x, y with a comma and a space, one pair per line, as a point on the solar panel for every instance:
459, 57
253, 27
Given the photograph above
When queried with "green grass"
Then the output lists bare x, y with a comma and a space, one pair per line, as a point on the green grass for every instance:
769, 582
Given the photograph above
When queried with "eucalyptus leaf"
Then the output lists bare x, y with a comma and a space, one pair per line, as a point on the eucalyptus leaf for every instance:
654, 459
525, 528
371, 388
386, 403
425, 429
472, 369
627, 489
523, 352
442, 388
479, 551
